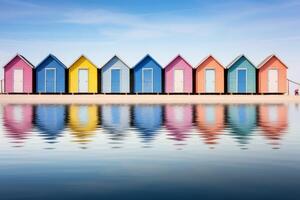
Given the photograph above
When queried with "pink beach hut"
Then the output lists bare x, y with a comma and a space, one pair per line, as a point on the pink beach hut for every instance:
178, 121
18, 75
178, 76
18, 121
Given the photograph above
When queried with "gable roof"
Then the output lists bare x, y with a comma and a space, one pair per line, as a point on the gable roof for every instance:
147, 56
269, 58
22, 58
180, 57
237, 59
206, 58
117, 57
54, 58
84, 57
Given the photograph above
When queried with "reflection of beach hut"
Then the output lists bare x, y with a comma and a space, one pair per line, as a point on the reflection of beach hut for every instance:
18, 120
115, 76
178, 76
241, 76
18, 75
147, 76
83, 121
50, 119
51, 76
242, 120
273, 120
272, 76
178, 120
147, 119
210, 121
115, 119
210, 76
83, 76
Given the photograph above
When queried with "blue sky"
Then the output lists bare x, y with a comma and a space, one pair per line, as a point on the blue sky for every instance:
131, 29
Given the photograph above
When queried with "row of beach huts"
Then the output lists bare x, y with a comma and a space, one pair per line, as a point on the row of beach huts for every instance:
147, 76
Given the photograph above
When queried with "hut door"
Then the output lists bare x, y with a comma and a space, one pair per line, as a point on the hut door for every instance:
210, 80
273, 80
115, 80
50, 80
83, 78
147, 80
178, 81
241, 80
18, 80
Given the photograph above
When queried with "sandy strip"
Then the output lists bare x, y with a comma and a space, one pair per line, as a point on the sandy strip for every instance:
145, 99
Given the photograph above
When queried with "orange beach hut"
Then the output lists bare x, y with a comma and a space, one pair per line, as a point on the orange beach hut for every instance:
210, 76
272, 76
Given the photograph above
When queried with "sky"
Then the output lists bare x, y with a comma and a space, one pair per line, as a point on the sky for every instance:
132, 28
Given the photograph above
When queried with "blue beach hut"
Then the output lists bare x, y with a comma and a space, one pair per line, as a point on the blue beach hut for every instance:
51, 76
116, 119
115, 76
50, 120
147, 76
148, 120
241, 76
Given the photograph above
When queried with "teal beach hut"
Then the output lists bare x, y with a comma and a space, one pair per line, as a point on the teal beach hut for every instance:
242, 120
241, 76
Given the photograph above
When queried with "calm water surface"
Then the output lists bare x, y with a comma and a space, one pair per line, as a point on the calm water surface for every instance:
150, 151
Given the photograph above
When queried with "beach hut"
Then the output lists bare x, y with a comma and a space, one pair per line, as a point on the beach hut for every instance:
83, 76
272, 76
241, 76
147, 75
115, 76
50, 120
273, 120
51, 76
17, 121
179, 119
210, 76
210, 121
242, 120
178, 76
83, 121
147, 119
115, 119
18, 75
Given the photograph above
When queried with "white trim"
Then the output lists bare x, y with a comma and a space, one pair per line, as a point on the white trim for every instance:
87, 79
205, 69
240, 69
20, 69
118, 68
183, 82
46, 69
144, 69
268, 89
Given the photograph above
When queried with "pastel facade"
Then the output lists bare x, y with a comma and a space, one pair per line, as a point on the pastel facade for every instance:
83, 76
179, 120
51, 76
18, 75
115, 76
210, 76
147, 76
272, 76
178, 76
210, 120
18, 120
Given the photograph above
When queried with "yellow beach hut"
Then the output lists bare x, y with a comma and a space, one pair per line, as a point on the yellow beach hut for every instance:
83, 76
83, 121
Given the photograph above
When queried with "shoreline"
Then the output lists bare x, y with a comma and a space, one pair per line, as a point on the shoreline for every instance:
146, 99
